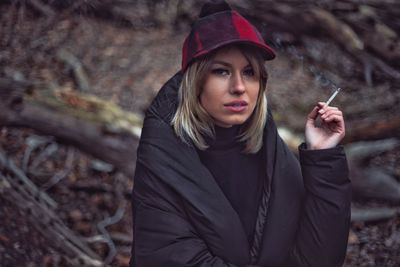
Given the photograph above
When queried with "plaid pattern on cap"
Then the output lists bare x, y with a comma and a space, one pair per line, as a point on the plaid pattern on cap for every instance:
219, 29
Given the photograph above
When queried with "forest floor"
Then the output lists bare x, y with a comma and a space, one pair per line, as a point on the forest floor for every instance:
128, 66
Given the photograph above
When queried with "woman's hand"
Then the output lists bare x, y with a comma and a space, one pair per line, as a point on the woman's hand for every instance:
330, 131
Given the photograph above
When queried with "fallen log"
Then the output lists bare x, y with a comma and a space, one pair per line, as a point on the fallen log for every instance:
374, 183
360, 150
372, 214
373, 130
95, 126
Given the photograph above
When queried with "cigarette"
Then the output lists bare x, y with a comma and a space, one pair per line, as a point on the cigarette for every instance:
332, 96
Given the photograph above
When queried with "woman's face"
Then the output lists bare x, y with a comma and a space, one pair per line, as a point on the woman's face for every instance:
230, 91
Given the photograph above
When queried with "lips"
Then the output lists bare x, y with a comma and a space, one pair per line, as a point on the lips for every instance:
236, 106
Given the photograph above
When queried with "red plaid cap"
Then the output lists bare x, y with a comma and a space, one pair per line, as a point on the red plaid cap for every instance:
219, 29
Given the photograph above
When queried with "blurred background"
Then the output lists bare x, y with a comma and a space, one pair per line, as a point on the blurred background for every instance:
76, 77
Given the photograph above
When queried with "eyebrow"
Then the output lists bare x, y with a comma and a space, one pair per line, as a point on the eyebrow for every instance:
227, 64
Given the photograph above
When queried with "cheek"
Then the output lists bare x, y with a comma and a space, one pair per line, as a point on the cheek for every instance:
209, 95
207, 100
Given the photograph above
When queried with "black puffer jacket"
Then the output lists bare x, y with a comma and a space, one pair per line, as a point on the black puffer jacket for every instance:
181, 217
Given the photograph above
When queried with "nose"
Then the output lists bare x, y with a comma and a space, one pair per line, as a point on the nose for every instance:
237, 84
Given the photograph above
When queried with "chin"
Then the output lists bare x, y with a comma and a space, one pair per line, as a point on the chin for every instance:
232, 121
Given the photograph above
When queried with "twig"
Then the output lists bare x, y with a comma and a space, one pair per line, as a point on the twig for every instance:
118, 237
121, 238
77, 68
63, 173
112, 220
91, 188
43, 217
96, 238
386, 68
368, 69
45, 9
20, 178
44, 155
36, 38
48, 223
33, 142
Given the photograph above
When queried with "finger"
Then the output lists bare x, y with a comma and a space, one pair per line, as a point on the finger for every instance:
313, 114
323, 108
335, 121
322, 105
332, 118
330, 112
331, 108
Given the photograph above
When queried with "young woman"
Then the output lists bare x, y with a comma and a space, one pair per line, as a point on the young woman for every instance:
215, 185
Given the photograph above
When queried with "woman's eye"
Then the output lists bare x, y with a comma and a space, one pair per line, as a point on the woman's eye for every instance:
249, 72
220, 71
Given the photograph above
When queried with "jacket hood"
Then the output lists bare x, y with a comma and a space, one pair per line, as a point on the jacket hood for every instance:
178, 166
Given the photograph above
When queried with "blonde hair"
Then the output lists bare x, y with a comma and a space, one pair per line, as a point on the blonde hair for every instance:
191, 121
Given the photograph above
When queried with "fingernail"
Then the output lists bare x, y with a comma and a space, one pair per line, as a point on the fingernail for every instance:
321, 111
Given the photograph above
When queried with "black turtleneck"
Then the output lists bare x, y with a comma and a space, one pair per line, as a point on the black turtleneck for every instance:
239, 175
